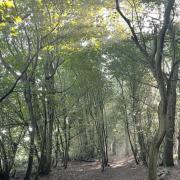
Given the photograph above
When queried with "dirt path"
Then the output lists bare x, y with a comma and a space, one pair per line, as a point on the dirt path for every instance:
124, 169
120, 169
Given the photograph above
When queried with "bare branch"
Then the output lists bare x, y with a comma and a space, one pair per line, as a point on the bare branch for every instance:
135, 38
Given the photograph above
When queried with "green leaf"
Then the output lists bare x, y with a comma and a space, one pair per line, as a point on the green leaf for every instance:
18, 20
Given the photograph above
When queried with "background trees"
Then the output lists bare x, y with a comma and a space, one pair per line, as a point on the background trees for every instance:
76, 83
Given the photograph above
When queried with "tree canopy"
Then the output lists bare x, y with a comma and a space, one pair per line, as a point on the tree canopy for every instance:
84, 80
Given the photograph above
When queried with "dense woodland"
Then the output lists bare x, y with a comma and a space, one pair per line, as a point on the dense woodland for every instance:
84, 80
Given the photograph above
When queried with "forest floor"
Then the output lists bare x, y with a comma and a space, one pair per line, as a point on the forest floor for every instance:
119, 169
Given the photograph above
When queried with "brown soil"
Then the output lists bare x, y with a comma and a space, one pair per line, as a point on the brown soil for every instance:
124, 169
174, 174
120, 169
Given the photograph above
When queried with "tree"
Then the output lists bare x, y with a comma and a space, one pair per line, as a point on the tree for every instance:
154, 61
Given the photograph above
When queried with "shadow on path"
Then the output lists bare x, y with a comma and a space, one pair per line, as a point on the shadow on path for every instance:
120, 169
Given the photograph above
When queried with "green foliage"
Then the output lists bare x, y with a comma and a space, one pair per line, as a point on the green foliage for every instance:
84, 75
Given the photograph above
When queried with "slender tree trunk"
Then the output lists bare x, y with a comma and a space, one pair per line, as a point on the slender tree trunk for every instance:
48, 104
57, 148
104, 135
42, 163
4, 165
84, 149
133, 149
66, 142
143, 150
136, 113
126, 141
179, 146
97, 114
28, 99
50, 112
113, 146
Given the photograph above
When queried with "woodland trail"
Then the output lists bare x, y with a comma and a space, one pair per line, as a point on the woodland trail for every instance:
120, 169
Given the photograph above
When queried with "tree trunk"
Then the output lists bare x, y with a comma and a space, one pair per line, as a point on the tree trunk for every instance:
97, 113
143, 150
154, 60
46, 152
153, 156
66, 131
113, 146
42, 163
171, 108
50, 112
4, 165
156, 142
179, 146
126, 141
168, 159
84, 151
28, 99
4, 175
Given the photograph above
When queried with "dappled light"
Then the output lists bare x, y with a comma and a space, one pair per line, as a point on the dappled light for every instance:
89, 89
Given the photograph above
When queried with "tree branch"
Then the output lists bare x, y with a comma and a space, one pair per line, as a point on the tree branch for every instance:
135, 38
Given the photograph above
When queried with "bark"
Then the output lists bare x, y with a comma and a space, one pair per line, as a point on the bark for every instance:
50, 110
141, 141
179, 146
136, 113
157, 140
168, 159
104, 134
46, 151
143, 151
28, 99
66, 145
134, 150
153, 156
126, 122
57, 150
126, 140
113, 146
91, 140
4, 165
83, 139
102, 139
4, 175
8, 150
97, 113
41, 168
